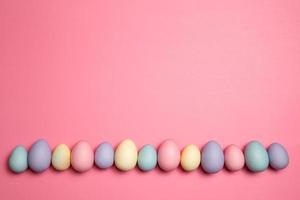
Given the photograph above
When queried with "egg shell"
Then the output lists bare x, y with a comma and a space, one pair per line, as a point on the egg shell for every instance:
256, 157
234, 158
278, 156
82, 157
104, 155
61, 157
18, 159
147, 158
126, 155
39, 156
212, 157
168, 155
190, 157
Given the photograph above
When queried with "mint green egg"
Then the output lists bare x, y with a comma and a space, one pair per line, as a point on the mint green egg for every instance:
256, 157
18, 159
147, 158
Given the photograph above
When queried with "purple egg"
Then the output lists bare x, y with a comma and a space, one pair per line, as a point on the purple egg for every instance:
278, 156
104, 155
39, 156
212, 157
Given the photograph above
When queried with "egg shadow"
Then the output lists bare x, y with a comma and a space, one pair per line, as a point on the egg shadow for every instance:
198, 171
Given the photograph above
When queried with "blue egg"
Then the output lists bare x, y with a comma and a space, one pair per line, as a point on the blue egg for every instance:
39, 156
18, 159
278, 156
147, 158
104, 156
212, 157
256, 157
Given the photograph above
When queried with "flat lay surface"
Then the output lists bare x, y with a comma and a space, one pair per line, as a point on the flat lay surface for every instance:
192, 71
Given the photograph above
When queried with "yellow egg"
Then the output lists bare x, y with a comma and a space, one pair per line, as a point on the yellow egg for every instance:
126, 155
61, 157
190, 158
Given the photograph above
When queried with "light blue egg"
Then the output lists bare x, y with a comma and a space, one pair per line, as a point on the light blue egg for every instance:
147, 158
256, 157
104, 155
212, 157
278, 156
18, 159
39, 156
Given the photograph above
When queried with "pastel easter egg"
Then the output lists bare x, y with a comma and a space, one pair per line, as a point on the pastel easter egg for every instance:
18, 159
168, 155
147, 158
61, 157
126, 155
39, 156
104, 155
212, 157
256, 157
82, 157
278, 156
234, 158
190, 158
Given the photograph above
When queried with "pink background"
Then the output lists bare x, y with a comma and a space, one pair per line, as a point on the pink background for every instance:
150, 70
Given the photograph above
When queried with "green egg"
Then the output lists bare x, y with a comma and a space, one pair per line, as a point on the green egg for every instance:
18, 159
256, 157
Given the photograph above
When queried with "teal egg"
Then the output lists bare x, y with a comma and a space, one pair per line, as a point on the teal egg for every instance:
18, 159
256, 157
147, 158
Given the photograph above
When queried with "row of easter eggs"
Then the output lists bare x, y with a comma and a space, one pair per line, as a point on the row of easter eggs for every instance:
168, 157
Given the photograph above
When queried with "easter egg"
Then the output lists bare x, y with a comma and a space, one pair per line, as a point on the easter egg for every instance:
18, 159
256, 157
168, 155
82, 157
212, 157
61, 157
278, 156
39, 156
147, 158
234, 158
104, 155
126, 155
190, 158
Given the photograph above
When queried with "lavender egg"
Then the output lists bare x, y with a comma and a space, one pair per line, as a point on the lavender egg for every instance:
104, 155
278, 156
39, 156
212, 159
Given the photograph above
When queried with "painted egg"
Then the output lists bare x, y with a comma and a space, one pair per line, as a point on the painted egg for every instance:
126, 155
168, 155
147, 158
82, 157
39, 156
61, 157
18, 159
278, 156
190, 158
234, 158
256, 157
212, 157
104, 155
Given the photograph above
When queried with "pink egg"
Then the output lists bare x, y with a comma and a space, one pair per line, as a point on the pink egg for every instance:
234, 158
82, 157
168, 155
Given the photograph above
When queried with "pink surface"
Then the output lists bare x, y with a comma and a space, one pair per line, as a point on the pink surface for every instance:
150, 70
